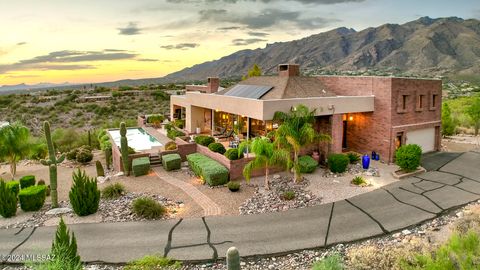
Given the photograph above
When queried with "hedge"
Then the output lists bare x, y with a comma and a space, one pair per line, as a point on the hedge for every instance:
8, 201
408, 157
141, 166
32, 198
14, 186
212, 172
171, 162
337, 163
232, 154
217, 148
27, 181
307, 164
204, 140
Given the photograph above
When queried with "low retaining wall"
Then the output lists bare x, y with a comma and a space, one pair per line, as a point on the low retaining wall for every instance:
117, 158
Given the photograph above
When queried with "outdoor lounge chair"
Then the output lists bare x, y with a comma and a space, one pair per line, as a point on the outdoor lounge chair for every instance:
225, 136
221, 133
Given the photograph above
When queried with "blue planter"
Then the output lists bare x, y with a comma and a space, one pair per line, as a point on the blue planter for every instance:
365, 162
377, 157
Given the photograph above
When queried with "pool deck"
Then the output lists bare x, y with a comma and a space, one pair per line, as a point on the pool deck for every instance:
157, 135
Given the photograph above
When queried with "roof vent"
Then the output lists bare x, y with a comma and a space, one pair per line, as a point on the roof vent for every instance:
288, 70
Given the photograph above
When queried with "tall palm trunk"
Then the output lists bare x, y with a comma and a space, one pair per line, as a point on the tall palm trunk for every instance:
13, 166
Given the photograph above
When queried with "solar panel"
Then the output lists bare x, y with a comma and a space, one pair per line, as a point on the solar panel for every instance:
248, 91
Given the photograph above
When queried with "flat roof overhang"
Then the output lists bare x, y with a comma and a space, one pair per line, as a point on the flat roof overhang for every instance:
265, 109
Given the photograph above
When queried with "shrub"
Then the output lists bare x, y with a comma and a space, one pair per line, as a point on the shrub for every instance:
27, 181
113, 191
408, 157
72, 154
131, 150
232, 154
233, 186
84, 155
171, 162
288, 195
155, 119
212, 172
359, 181
172, 133
84, 194
140, 166
307, 164
42, 183
13, 186
337, 163
170, 146
204, 140
32, 198
153, 263
332, 262
8, 200
353, 157
147, 208
64, 248
459, 252
99, 167
217, 148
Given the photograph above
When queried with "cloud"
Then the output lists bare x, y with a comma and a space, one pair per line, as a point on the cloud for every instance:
229, 28
60, 60
258, 34
180, 46
147, 60
21, 43
246, 41
130, 29
264, 19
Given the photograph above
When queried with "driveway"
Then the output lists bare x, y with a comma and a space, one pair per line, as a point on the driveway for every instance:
455, 181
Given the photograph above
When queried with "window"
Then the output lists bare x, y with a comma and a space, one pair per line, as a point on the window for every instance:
404, 102
420, 102
434, 102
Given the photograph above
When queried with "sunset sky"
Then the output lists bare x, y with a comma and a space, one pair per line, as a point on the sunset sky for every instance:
105, 40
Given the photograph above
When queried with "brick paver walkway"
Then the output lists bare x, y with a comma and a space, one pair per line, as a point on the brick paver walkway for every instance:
210, 208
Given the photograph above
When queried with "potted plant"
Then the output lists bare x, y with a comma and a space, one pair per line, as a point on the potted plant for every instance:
198, 130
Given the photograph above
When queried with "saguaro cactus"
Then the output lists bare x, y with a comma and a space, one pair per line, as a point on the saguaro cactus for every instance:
233, 259
124, 148
52, 162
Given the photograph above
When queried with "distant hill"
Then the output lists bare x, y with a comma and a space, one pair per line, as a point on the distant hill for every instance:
424, 46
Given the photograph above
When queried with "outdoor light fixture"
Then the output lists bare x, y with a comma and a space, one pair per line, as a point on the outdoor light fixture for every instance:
293, 109
350, 118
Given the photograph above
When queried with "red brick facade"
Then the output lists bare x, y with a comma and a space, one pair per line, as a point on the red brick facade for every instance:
401, 105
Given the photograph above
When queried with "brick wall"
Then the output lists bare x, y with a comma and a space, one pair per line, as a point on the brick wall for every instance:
117, 158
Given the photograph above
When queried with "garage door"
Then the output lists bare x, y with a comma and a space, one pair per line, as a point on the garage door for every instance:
423, 137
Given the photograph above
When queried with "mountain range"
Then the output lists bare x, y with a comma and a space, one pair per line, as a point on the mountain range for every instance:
424, 46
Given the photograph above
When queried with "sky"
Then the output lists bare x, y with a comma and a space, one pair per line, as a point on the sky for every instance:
59, 41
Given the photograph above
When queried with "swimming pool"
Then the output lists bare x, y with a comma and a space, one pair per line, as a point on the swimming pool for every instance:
137, 138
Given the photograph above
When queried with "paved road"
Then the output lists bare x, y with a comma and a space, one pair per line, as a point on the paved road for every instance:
455, 182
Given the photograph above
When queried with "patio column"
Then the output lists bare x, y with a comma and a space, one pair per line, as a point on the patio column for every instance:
337, 133
248, 128
213, 122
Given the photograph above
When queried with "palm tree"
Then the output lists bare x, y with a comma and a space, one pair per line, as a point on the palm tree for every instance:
14, 144
295, 132
266, 156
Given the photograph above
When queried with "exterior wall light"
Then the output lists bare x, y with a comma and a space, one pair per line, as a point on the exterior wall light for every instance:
350, 118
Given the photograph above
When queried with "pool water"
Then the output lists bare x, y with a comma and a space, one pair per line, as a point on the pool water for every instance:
137, 138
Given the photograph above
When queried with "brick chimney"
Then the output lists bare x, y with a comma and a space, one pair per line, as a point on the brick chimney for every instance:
213, 83
288, 70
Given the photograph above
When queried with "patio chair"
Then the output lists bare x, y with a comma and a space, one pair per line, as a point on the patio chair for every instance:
226, 136
221, 132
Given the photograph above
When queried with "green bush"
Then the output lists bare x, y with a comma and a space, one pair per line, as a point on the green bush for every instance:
84, 155
147, 208
27, 181
153, 263
233, 186
359, 181
173, 133
155, 119
459, 252
204, 140
307, 164
353, 157
14, 186
171, 162
84, 194
408, 157
113, 191
337, 163
232, 154
8, 200
217, 148
140, 166
170, 146
65, 248
72, 154
332, 262
288, 195
209, 170
32, 198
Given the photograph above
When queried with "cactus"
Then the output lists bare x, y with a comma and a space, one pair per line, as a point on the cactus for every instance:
124, 148
52, 162
233, 259
99, 166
